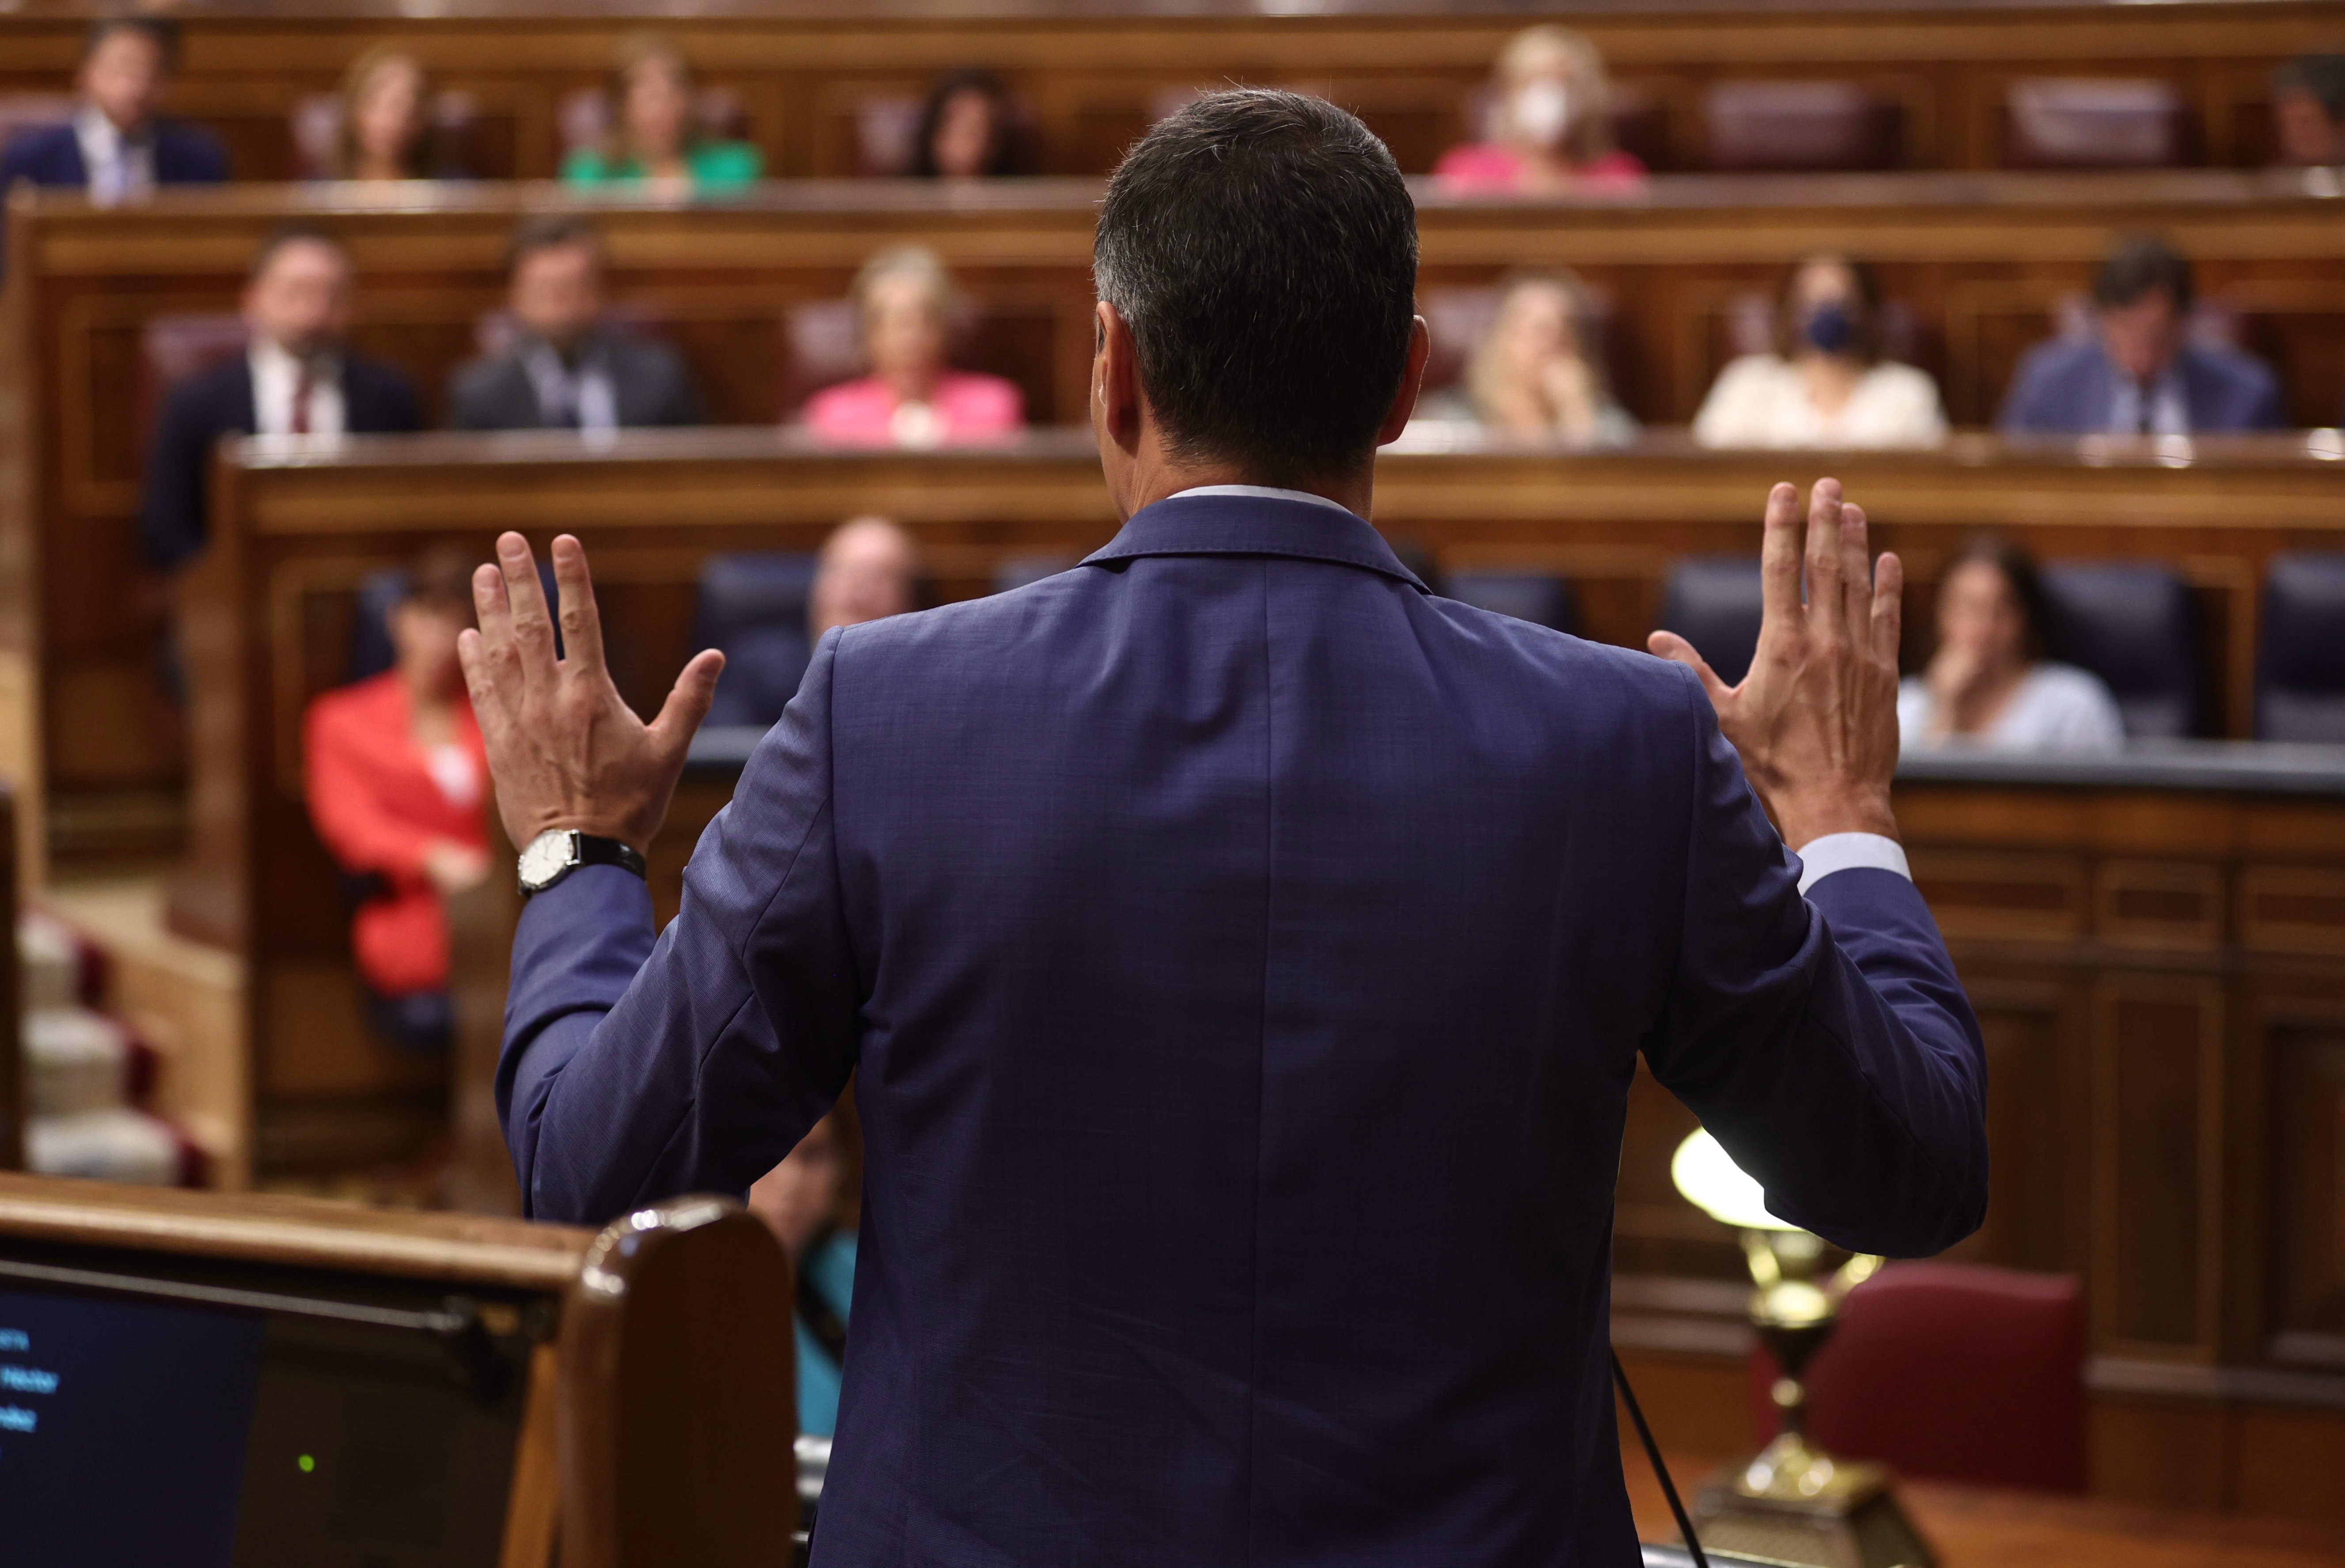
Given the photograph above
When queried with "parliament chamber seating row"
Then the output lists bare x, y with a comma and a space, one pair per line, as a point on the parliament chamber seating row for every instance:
2154, 948
829, 92
1979, 267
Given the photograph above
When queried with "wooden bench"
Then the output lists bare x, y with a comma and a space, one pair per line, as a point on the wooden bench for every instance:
267, 619
1092, 76
1979, 264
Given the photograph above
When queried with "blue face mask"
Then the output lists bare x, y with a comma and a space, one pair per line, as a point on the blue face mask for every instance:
1830, 329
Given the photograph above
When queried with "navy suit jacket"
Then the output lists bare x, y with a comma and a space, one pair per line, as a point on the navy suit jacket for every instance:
2067, 387
1243, 956
377, 400
51, 155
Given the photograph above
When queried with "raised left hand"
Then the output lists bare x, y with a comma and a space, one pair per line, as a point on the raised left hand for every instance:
564, 751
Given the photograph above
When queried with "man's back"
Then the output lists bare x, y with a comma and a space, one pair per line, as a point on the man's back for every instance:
1205, 1219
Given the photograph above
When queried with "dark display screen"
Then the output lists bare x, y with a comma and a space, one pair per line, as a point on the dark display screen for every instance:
157, 1434
123, 1429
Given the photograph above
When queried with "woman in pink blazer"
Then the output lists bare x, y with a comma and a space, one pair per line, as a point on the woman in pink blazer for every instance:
912, 397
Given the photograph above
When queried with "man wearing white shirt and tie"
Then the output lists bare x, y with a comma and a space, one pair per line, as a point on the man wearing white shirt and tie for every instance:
118, 148
295, 381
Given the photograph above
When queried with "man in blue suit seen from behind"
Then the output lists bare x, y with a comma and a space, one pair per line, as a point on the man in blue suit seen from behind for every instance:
118, 148
2138, 372
1242, 954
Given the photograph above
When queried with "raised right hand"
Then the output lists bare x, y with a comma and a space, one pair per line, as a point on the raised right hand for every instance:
1815, 719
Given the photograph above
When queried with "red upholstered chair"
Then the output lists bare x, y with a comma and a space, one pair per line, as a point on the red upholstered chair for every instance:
1801, 126
1950, 1370
2094, 122
175, 349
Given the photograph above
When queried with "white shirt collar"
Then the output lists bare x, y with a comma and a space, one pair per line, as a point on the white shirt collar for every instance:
275, 376
1264, 493
119, 168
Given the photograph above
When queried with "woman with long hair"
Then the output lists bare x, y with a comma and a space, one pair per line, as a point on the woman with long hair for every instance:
656, 142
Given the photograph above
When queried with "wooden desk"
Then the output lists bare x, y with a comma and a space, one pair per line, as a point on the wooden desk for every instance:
1978, 1527
1979, 260
1093, 75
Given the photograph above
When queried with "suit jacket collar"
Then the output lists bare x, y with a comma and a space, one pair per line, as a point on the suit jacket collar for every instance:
1250, 525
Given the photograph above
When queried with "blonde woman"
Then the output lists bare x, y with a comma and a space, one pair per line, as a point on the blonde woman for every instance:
1551, 127
904, 302
1535, 373
386, 121
656, 144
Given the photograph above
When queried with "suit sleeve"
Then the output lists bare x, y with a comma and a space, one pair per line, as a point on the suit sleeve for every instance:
401, 413
636, 1069
2019, 413
470, 401
171, 517
683, 397
1824, 1040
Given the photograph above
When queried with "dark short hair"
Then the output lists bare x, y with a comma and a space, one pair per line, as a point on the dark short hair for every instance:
286, 234
159, 31
1006, 156
2141, 266
549, 231
439, 578
2019, 569
1261, 247
2320, 77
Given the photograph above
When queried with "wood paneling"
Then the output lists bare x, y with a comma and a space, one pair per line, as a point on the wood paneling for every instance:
1979, 262
1093, 76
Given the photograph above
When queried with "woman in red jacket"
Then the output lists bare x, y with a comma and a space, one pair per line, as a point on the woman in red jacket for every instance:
396, 780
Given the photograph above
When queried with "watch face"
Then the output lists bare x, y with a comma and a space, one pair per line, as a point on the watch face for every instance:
548, 855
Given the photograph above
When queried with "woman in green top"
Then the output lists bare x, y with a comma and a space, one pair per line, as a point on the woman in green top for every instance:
656, 146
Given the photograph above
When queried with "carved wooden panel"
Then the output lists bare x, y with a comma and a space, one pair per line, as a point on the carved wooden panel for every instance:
2292, 908
2157, 1107
2173, 903
2035, 1032
2306, 1169
2001, 896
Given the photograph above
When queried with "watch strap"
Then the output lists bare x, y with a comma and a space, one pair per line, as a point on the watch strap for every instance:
596, 851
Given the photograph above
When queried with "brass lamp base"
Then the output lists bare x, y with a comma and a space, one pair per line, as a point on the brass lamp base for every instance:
1790, 1504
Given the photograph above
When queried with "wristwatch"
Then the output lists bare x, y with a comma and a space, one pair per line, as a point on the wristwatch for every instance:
559, 851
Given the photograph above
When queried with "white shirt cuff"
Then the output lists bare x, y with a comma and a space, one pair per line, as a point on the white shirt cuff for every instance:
1820, 857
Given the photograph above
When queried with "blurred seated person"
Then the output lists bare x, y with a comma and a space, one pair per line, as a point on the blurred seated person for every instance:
297, 379
386, 129
904, 301
1989, 684
1535, 373
967, 130
1826, 385
869, 569
117, 146
396, 776
801, 1200
2309, 111
2138, 372
1551, 128
569, 369
656, 142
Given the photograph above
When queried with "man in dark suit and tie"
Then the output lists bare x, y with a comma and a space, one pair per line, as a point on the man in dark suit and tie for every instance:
569, 366
297, 379
1242, 954
2138, 372
117, 147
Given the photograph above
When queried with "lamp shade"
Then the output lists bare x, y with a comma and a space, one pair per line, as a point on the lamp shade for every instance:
1710, 1181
